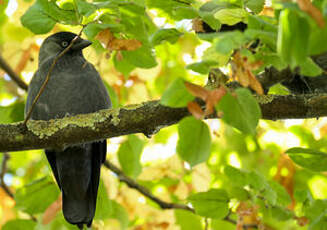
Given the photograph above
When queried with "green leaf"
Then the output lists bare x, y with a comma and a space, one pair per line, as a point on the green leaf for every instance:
309, 68
85, 8
266, 37
316, 213
19, 224
119, 213
12, 113
170, 35
202, 67
194, 141
129, 154
221, 224
123, 66
236, 176
309, 158
257, 22
142, 57
208, 18
176, 95
238, 192
171, 7
187, 220
317, 44
112, 94
227, 41
104, 206
212, 204
256, 6
293, 37
184, 12
283, 198
257, 181
241, 112
231, 16
36, 20
281, 214
50, 8
36, 197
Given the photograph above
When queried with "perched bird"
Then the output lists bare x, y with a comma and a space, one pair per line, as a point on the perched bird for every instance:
75, 87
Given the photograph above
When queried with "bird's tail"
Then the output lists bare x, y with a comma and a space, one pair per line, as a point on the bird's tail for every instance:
78, 211
77, 171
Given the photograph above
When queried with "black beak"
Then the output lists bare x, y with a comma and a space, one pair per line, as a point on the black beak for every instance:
81, 44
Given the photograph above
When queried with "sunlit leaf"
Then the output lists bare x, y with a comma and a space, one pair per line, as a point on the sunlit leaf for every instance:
170, 35
202, 67
129, 155
176, 95
19, 224
241, 112
187, 220
119, 213
309, 158
104, 206
194, 141
212, 204
28, 198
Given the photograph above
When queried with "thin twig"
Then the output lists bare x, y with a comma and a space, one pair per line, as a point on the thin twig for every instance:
3, 171
49, 74
163, 204
133, 184
11, 73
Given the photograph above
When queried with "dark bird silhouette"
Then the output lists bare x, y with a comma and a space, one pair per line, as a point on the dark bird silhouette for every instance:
75, 87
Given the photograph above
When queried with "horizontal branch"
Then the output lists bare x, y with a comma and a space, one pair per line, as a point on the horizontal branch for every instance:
146, 118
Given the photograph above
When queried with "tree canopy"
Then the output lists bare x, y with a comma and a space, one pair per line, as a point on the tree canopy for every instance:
217, 120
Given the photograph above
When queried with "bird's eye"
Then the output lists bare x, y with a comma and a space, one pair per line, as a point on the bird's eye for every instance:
64, 44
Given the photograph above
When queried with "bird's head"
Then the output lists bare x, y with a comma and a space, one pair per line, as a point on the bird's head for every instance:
57, 42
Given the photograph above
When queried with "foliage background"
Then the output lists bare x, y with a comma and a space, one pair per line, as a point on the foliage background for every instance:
233, 179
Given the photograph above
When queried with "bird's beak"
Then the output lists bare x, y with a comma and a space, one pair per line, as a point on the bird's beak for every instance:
81, 44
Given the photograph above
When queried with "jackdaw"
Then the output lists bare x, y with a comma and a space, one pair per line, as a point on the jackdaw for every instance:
75, 87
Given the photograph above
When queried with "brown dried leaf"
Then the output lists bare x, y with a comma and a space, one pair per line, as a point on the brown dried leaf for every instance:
124, 44
197, 25
314, 12
247, 215
197, 91
195, 109
242, 72
25, 58
51, 212
105, 36
162, 225
112, 43
302, 221
213, 98
287, 181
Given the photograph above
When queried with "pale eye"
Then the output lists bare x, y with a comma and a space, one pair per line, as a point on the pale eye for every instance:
64, 44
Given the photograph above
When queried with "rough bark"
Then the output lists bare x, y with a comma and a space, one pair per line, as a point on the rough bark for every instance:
146, 118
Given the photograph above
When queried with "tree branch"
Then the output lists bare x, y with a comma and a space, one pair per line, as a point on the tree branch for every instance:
3, 171
143, 190
11, 73
146, 118
163, 204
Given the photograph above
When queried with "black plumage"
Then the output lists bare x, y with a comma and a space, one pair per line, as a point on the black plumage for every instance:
75, 87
